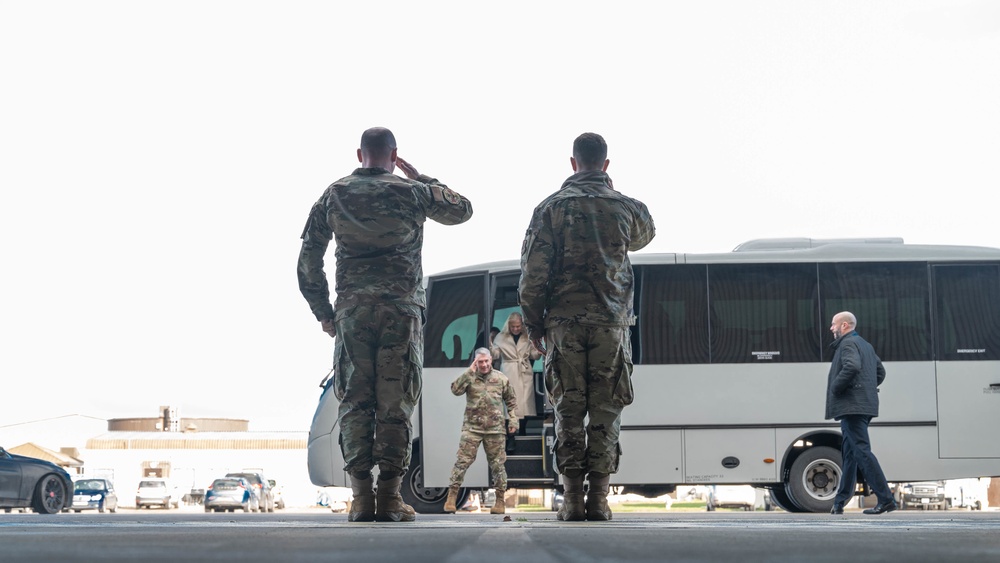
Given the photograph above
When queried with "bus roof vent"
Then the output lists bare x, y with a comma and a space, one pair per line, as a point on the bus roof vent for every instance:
802, 243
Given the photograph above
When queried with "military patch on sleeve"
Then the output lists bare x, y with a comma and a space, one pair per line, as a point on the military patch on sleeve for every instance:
450, 196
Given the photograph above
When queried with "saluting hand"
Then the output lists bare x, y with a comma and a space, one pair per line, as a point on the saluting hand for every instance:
407, 168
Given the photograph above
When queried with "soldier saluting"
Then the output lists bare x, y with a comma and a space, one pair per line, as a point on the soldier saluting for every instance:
376, 220
576, 292
486, 392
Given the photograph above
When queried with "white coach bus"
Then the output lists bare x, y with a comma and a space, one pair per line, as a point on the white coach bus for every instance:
731, 355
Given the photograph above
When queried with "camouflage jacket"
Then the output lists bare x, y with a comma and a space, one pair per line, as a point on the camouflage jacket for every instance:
485, 396
574, 261
377, 219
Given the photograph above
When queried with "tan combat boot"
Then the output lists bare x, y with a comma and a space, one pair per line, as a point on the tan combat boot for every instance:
498, 506
597, 496
449, 504
389, 505
363, 505
573, 509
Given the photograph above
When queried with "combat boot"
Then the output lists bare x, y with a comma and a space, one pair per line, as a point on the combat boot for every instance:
498, 506
449, 504
389, 505
597, 496
573, 509
363, 505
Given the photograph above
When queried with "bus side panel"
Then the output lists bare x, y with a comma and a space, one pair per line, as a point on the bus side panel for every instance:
910, 454
727, 394
708, 452
969, 409
441, 419
907, 394
649, 457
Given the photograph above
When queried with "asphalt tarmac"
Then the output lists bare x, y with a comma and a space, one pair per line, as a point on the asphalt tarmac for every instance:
317, 535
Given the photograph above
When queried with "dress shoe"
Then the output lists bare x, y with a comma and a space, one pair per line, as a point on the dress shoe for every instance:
880, 508
837, 508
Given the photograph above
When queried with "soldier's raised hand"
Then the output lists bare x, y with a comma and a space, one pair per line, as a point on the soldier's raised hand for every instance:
407, 168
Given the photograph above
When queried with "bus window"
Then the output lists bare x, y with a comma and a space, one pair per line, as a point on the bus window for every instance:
454, 313
968, 312
763, 313
890, 301
673, 319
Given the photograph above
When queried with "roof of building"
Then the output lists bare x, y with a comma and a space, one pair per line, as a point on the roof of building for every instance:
199, 441
30, 449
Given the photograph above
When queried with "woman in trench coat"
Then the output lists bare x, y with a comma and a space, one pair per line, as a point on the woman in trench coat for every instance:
516, 354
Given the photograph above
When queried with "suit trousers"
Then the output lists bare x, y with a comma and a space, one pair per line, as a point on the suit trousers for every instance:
857, 454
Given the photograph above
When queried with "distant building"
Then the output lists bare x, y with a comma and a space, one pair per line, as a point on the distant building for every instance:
188, 452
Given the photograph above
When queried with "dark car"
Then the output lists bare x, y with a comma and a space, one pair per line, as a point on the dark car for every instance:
29, 482
231, 493
94, 494
264, 493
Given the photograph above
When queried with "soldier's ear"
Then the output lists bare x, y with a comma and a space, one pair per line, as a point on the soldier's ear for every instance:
572, 162
606, 163
359, 156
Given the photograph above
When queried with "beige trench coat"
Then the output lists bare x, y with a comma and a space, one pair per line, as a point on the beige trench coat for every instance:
515, 363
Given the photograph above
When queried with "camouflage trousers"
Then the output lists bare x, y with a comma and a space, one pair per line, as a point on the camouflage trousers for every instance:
496, 455
588, 376
379, 358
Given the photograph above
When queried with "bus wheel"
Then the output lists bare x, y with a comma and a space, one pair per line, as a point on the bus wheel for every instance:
425, 500
814, 479
780, 499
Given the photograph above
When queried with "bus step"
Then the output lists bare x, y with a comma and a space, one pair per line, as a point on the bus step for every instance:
528, 445
525, 467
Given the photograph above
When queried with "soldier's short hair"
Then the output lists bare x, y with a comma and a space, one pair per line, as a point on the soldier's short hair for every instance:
482, 352
378, 142
590, 150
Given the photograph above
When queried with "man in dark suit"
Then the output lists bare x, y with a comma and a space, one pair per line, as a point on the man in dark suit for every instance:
852, 398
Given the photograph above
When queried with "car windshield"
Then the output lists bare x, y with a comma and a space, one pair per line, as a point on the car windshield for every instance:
89, 485
152, 485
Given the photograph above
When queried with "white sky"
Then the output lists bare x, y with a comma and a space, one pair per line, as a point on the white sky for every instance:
158, 159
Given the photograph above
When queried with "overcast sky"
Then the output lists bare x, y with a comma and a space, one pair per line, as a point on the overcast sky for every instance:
158, 159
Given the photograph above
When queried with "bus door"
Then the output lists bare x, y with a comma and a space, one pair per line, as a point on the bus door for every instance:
967, 342
530, 457
456, 326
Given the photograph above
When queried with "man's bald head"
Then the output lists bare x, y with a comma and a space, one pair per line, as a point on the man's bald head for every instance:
377, 144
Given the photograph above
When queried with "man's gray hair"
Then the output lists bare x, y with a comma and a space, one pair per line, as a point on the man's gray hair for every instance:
482, 352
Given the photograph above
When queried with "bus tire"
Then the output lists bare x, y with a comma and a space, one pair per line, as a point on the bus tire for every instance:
425, 500
814, 478
780, 499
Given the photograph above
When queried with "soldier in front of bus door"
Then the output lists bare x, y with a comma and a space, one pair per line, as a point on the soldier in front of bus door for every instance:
377, 221
852, 398
486, 392
576, 292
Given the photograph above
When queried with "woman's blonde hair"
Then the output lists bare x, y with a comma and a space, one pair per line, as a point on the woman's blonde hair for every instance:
506, 324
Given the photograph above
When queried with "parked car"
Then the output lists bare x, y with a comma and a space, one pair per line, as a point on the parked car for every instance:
231, 493
28, 482
731, 496
277, 493
262, 485
155, 492
94, 494
967, 493
923, 495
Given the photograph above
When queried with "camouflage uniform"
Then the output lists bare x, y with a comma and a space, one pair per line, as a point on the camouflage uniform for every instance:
485, 397
377, 220
576, 290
